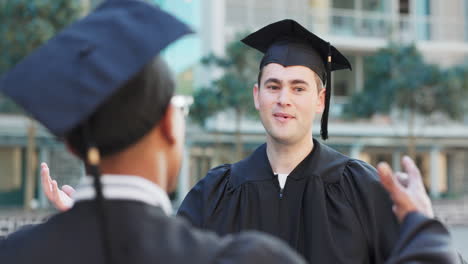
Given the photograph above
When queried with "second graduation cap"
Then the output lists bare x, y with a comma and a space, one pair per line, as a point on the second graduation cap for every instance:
288, 43
64, 81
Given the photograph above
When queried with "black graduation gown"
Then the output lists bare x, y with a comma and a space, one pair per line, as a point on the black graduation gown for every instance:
332, 209
140, 233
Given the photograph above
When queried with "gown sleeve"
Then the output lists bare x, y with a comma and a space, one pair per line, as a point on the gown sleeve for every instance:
211, 188
373, 208
423, 240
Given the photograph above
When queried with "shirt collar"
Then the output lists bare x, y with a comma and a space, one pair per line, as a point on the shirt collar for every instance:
125, 187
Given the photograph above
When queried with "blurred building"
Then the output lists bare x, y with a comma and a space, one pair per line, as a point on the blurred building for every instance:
439, 29
16, 190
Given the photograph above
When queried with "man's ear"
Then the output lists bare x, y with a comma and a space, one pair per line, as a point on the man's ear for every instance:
168, 125
321, 101
256, 89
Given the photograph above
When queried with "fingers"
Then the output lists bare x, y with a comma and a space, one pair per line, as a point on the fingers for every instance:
66, 202
386, 177
55, 192
68, 190
414, 175
46, 181
403, 178
410, 167
61, 199
58, 199
405, 189
391, 184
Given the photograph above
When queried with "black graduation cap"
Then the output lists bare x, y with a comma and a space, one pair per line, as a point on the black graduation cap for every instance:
288, 43
64, 81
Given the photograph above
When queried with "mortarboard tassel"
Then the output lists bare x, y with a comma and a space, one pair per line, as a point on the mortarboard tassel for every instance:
324, 125
92, 164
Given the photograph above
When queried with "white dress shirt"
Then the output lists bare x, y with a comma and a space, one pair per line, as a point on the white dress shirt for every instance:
282, 179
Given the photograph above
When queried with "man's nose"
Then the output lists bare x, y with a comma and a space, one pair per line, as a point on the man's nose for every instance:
284, 97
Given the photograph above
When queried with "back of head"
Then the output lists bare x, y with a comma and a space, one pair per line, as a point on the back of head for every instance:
129, 114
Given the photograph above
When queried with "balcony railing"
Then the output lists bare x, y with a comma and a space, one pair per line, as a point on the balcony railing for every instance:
405, 28
11, 221
355, 23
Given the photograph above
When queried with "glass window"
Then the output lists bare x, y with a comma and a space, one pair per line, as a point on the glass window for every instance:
343, 4
372, 5
344, 81
404, 7
466, 21
200, 163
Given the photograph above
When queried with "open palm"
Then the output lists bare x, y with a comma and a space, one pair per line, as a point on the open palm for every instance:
60, 198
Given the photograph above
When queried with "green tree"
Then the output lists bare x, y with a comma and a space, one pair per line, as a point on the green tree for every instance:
25, 25
398, 78
232, 91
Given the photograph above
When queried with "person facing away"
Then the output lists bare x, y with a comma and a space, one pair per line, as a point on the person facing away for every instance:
107, 93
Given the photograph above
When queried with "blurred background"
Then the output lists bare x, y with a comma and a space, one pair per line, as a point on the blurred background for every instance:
407, 93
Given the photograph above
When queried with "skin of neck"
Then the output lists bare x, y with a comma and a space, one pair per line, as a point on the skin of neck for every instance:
284, 157
147, 158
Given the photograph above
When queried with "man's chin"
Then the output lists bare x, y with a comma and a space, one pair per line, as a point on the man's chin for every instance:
282, 138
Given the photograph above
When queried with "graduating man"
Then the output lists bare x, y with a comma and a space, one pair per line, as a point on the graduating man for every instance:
329, 207
106, 92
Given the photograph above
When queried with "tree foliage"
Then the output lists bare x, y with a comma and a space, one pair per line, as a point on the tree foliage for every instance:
397, 77
233, 89
25, 25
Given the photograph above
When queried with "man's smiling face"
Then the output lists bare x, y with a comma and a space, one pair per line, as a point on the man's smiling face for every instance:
287, 99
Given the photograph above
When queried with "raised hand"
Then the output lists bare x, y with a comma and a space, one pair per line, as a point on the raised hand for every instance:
60, 198
406, 189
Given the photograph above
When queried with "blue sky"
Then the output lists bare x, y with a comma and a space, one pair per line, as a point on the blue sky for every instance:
185, 52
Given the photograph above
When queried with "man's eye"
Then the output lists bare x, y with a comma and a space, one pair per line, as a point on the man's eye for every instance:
299, 89
273, 87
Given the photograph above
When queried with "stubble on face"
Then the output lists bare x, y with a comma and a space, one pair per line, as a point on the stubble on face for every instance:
287, 99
